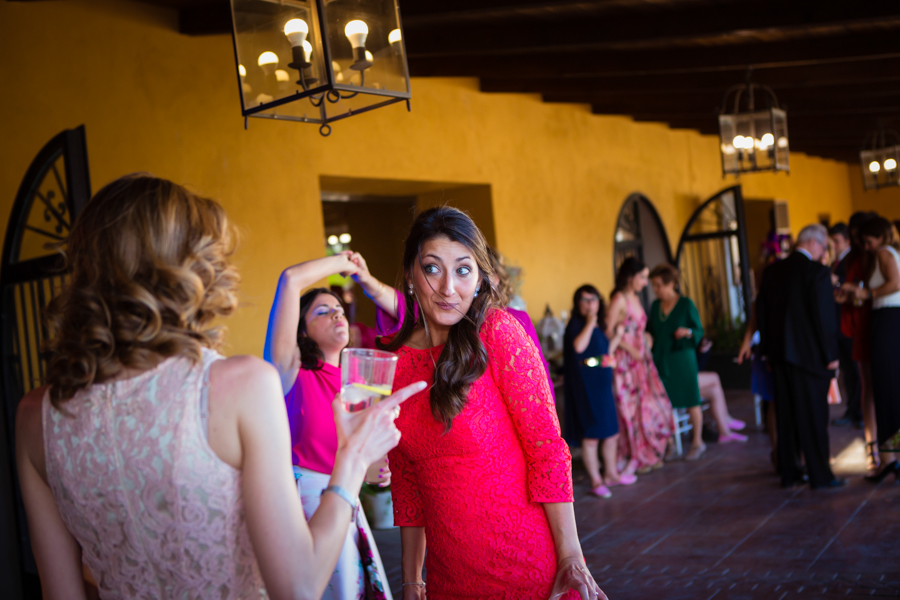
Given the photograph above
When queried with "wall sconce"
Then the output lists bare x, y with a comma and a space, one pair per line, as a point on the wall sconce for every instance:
752, 140
345, 58
879, 157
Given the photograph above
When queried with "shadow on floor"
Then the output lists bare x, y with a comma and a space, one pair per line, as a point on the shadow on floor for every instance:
723, 528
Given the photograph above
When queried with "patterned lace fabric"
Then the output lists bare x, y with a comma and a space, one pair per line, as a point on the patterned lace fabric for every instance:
478, 488
645, 412
157, 513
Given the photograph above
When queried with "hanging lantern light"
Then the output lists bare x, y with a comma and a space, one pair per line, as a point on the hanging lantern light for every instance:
752, 139
879, 158
318, 61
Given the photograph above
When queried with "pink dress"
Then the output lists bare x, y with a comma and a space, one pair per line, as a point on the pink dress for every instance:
157, 513
478, 488
645, 413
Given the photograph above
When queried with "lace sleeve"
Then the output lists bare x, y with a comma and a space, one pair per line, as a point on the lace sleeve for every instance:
405, 491
520, 376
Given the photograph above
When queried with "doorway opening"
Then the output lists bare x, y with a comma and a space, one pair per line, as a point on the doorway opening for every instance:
373, 216
639, 233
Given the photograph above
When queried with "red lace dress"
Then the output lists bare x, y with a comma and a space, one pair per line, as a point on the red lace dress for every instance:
477, 489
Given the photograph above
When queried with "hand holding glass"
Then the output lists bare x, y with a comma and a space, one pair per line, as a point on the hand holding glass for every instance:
366, 377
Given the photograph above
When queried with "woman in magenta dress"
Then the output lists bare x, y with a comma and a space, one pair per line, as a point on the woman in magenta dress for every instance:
307, 331
482, 475
645, 413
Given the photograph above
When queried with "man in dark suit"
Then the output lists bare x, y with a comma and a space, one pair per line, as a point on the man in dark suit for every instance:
798, 336
840, 238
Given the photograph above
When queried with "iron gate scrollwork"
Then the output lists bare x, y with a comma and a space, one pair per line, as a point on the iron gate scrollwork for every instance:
54, 190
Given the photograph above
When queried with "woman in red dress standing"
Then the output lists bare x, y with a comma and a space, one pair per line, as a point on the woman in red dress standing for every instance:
482, 473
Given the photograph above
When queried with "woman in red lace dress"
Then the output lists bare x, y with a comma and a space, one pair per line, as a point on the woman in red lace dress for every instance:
481, 473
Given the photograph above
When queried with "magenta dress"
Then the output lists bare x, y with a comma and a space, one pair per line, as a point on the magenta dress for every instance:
478, 489
645, 413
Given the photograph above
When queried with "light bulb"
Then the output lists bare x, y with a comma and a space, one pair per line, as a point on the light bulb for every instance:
394, 36
782, 142
242, 70
307, 50
890, 164
267, 58
738, 142
874, 167
369, 56
282, 75
356, 32
296, 31
264, 98
267, 62
767, 141
332, 240
345, 238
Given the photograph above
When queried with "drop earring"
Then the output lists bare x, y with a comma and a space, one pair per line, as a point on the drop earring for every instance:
411, 290
476, 293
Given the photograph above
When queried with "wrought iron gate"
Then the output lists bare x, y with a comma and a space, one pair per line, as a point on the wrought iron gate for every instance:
54, 190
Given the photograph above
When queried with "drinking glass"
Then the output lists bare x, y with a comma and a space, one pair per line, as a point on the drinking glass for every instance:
366, 377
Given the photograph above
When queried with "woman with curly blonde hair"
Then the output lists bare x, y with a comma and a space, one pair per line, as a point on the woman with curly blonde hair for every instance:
159, 464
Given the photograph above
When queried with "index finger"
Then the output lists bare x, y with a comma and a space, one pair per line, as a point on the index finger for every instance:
401, 395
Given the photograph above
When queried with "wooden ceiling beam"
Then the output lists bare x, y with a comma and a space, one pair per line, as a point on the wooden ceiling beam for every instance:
548, 29
826, 77
764, 57
845, 98
208, 19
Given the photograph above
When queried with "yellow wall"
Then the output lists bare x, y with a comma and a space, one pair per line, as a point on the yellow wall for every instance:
885, 202
156, 101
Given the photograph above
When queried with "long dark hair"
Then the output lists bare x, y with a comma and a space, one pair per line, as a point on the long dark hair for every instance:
576, 298
311, 356
880, 228
630, 267
464, 358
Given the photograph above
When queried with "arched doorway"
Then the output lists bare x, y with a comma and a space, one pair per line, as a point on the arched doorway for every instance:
713, 260
639, 233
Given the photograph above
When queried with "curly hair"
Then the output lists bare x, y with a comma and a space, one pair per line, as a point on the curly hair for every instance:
504, 283
150, 272
464, 358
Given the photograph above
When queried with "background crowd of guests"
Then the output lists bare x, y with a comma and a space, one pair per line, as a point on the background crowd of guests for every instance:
625, 373
830, 306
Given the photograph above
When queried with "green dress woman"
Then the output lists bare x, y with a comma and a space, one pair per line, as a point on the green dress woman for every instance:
674, 325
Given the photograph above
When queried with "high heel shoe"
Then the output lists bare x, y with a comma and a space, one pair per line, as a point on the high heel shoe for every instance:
894, 468
872, 461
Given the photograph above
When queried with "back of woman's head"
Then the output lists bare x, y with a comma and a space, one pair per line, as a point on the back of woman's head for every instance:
667, 273
630, 267
879, 228
150, 271
588, 290
464, 357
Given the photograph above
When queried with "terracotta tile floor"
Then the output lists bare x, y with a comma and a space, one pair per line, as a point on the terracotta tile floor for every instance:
723, 528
